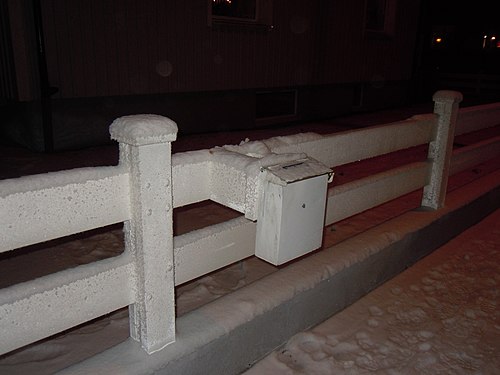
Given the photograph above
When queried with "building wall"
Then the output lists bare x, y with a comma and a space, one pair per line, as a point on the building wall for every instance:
110, 58
354, 55
116, 47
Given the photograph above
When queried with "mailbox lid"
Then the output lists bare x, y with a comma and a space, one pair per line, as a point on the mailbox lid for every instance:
296, 170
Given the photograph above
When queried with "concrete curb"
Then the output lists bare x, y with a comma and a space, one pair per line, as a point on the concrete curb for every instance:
229, 334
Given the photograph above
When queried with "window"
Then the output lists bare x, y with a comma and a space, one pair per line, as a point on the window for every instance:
380, 17
250, 12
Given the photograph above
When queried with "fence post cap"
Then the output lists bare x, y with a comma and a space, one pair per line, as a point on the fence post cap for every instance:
447, 96
138, 130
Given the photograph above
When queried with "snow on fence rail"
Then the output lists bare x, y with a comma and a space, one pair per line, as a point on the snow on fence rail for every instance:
149, 182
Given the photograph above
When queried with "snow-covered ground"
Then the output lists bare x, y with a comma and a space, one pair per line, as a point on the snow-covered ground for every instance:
69, 347
441, 316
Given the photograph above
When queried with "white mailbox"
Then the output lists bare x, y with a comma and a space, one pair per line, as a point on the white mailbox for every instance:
291, 210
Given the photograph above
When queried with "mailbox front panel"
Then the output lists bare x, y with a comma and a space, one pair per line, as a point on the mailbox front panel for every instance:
291, 219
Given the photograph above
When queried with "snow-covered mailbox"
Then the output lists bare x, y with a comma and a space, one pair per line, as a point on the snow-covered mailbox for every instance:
291, 210
284, 192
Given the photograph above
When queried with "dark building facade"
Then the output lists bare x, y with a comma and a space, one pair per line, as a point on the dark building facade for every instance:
274, 61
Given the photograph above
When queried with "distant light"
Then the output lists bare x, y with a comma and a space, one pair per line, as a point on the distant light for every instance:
493, 37
439, 40
484, 37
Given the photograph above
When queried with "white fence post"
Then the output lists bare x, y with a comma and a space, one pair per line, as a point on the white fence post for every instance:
440, 149
145, 150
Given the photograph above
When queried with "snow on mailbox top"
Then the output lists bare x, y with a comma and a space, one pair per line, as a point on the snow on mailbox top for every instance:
140, 130
301, 169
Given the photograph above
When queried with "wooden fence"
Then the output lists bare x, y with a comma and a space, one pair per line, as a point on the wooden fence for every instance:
149, 183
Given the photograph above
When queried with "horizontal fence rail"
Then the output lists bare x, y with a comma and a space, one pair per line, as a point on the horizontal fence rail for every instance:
71, 202
42, 307
337, 149
190, 175
469, 156
218, 245
478, 118
148, 183
42, 207
360, 195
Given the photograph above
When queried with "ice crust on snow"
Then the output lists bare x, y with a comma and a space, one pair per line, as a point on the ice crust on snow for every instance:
252, 165
54, 179
430, 318
287, 140
251, 156
242, 194
247, 160
255, 149
143, 129
259, 149
190, 157
58, 204
241, 165
259, 155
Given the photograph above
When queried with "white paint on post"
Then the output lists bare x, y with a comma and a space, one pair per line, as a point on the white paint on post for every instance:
441, 148
145, 150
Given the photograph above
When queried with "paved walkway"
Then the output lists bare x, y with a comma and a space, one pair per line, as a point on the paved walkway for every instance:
441, 316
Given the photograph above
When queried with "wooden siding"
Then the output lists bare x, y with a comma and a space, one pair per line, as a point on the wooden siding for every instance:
129, 47
352, 56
